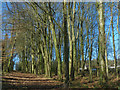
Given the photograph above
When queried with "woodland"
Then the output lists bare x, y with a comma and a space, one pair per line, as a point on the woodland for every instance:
48, 45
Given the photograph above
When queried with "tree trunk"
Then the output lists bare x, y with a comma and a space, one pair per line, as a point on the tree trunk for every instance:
56, 48
115, 61
70, 40
102, 42
32, 53
74, 45
82, 49
66, 48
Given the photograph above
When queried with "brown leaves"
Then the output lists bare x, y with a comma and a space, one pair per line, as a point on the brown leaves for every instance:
29, 80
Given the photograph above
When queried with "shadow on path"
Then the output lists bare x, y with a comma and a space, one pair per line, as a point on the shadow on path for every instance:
20, 81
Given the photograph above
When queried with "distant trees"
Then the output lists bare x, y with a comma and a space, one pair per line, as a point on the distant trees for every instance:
59, 38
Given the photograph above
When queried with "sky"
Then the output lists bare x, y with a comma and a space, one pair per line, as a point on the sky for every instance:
0, 20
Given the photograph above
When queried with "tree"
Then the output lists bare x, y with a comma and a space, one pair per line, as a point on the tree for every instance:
82, 41
102, 42
66, 49
115, 61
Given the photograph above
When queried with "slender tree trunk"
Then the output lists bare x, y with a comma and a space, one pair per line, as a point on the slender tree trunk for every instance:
102, 42
73, 39
82, 42
115, 61
56, 49
26, 62
82, 48
89, 51
32, 54
60, 41
90, 69
70, 40
106, 59
4, 54
78, 55
45, 55
98, 59
118, 22
49, 50
66, 49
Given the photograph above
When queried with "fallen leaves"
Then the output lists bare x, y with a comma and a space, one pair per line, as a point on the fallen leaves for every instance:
18, 79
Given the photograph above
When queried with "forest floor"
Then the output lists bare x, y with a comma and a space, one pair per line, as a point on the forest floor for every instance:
83, 82
18, 80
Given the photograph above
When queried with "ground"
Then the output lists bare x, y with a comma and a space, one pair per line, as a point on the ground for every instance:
83, 82
18, 80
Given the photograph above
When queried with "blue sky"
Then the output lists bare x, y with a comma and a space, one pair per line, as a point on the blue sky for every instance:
0, 20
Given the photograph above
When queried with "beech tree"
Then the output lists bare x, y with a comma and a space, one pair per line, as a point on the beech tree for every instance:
60, 39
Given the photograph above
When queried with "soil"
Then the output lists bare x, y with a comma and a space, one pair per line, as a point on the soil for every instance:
18, 80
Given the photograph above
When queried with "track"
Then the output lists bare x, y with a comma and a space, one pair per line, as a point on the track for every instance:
17, 80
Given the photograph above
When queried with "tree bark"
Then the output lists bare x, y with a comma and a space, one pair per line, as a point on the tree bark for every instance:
115, 61
102, 42
66, 48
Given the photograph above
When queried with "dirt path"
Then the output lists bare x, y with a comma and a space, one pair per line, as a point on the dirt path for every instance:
27, 81
17, 80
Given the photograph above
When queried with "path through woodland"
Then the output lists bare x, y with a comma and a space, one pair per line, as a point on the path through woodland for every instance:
18, 80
